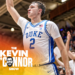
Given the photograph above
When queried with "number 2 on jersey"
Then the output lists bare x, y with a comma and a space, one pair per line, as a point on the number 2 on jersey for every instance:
32, 39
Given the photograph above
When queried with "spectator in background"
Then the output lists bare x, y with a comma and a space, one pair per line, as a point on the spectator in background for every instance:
71, 45
71, 32
63, 36
72, 40
61, 72
70, 54
74, 44
73, 36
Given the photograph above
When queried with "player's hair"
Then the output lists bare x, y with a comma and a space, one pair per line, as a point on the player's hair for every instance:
10, 57
40, 5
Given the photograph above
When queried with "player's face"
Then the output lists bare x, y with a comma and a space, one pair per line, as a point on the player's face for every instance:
33, 10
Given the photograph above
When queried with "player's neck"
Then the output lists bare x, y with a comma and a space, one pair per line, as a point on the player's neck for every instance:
36, 20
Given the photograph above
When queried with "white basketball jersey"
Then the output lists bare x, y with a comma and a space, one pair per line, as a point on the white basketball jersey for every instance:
72, 66
38, 42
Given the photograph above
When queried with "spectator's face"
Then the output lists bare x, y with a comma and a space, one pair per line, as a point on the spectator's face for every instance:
71, 31
61, 72
62, 33
74, 42
71, 42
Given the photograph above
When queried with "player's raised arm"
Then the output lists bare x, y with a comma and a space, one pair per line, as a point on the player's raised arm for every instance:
70, 54
10, 7
68, 40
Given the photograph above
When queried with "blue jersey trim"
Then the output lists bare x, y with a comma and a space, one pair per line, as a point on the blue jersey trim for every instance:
49, 50
49, 39
51, 42
25, 28
46, 29
36, 24
55, 69
52, 53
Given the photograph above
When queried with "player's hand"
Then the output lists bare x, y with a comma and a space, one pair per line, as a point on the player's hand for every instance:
68, 36
68, 72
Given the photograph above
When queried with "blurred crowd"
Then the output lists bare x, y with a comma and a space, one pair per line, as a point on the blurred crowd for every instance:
63, 32
61, 70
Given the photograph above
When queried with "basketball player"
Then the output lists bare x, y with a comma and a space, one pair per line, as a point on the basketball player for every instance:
70, 54
38, 38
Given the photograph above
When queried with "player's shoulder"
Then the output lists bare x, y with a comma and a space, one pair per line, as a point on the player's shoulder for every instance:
51, 23
23, 18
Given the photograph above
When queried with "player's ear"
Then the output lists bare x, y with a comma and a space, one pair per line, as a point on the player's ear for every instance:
40, 10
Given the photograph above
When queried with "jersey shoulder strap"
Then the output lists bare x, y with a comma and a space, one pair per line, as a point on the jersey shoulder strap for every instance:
46, 28
25, 27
